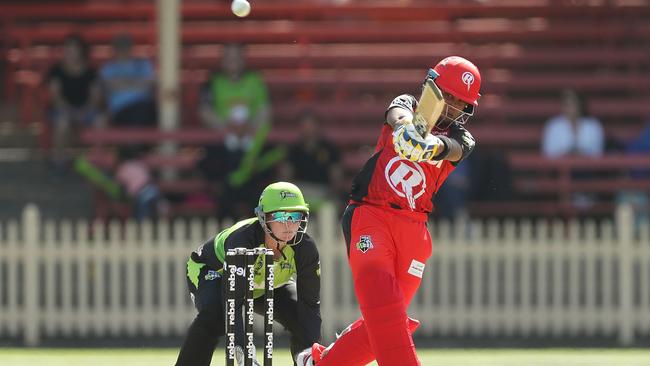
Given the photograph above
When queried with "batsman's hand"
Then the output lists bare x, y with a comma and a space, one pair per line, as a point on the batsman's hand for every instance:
410, 145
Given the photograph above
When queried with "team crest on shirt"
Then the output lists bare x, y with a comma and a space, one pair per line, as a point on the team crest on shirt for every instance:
211, 275
406, 179
365, 243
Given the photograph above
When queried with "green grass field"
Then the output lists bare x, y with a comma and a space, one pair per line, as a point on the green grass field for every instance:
456, 357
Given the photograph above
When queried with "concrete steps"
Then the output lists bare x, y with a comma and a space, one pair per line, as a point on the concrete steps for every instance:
58, 193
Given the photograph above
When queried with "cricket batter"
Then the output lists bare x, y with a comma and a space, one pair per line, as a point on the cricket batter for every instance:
280, 224
385, 223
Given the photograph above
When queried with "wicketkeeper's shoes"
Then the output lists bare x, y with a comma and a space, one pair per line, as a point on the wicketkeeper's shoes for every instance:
310, 356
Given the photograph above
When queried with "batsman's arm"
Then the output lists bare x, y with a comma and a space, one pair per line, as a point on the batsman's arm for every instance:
454, 145
400, 110
460, 143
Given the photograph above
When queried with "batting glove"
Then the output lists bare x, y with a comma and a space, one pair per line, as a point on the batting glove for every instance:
410, 145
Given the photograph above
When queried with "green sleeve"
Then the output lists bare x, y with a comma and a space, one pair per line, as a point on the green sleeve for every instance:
261, 95
220, 244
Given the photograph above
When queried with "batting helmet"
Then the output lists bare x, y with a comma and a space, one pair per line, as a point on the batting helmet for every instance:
460, 78
281, 196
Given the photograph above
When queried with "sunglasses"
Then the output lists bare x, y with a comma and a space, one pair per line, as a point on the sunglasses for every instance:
284, 217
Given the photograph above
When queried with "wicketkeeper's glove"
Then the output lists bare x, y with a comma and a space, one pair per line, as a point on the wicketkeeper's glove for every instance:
411, 146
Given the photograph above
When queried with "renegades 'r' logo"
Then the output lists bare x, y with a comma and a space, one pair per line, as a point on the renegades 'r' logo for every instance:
468, 79
406, 179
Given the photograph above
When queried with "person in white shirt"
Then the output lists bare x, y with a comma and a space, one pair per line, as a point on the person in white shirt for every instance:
573, 132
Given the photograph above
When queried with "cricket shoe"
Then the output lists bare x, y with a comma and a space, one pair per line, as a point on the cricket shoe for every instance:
311, 356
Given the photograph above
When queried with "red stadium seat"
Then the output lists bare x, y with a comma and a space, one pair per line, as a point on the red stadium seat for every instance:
346, 62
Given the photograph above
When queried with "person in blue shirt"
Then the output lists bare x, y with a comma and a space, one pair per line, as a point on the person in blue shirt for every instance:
128, 83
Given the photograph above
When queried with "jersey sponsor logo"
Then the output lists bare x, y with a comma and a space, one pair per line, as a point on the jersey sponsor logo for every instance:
416, 268
406, 179
211, 275
365, 243
467, 78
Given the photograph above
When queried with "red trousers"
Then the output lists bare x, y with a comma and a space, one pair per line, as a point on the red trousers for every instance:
387, 251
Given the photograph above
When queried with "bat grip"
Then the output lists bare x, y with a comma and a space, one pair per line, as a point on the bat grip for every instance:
421, 129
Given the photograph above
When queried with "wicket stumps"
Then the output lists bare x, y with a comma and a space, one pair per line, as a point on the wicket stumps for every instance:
240, 274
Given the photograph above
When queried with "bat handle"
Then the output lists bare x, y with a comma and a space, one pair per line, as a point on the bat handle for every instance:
421, 129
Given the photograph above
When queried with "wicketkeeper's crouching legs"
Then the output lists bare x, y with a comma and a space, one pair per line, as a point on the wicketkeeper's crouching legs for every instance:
200, 341
208, 325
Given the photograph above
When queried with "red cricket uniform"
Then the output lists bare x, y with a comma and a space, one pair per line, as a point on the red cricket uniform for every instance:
388, 245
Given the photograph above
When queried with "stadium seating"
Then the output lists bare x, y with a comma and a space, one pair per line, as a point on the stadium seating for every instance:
347, 61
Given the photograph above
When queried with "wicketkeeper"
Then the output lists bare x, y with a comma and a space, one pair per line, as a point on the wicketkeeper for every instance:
280, 224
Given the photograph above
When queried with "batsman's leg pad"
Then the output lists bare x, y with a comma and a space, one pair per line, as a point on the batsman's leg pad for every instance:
382, 305
351, 348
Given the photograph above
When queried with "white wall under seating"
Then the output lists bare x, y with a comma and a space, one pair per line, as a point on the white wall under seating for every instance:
485, 278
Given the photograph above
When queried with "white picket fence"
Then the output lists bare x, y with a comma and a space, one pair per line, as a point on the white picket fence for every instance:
484, 279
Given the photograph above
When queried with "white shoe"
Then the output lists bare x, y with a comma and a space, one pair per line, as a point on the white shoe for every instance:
304, 358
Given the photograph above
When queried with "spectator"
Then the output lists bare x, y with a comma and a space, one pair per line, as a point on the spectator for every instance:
128, 84
239, 167
573, 132
236, 101
640, 145
486, 176
234, 88
314, 162
451, 199
576, 133
490, 175
133, 174
131, 182
75, 95
638, 199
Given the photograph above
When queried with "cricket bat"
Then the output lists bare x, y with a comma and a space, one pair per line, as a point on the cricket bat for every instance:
430, 105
